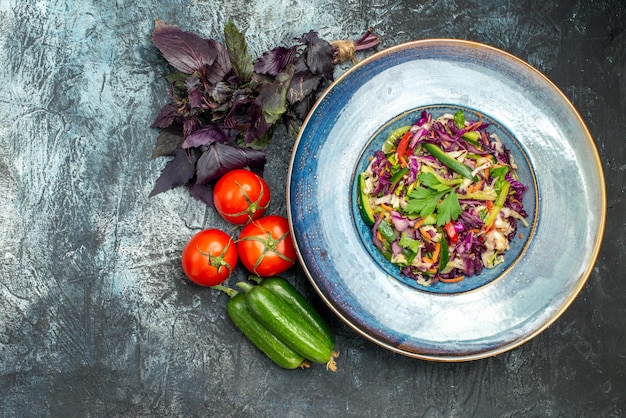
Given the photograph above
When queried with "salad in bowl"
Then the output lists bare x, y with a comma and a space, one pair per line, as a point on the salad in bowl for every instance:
442, 198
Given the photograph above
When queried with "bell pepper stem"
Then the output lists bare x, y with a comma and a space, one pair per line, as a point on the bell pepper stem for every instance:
230, 292
244, 286
254, 278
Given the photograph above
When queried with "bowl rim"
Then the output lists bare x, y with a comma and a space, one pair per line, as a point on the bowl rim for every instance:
601, 189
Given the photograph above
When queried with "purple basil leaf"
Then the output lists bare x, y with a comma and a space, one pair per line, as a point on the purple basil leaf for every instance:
257, 124
240, 99
300, 64
319, 55
220, 92
216, 72
165, 117
272, 97
205, 136
303, 84
185, 51
168, 141
190, 125
222, 60
218, 159
237, 47
177, 172
255, 160
192, 82
292, 124
262, 141
303, 107
196, 99
194, 91
275, 61
202, 192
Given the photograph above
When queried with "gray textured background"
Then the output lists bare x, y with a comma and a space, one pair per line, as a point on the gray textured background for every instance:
96, 318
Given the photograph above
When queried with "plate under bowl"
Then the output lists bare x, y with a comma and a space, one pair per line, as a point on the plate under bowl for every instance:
570, 200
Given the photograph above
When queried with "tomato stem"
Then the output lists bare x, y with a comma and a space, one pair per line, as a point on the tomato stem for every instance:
253, 205
218, 261
270, 244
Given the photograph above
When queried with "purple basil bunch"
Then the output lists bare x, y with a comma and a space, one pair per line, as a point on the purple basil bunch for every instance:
224, 106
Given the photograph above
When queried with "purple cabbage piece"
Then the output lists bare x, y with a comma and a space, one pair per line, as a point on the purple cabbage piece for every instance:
377, 243
417, 137
470, 219
515, 184
396, 249
381, 168
414, 168
424, 117
400, 223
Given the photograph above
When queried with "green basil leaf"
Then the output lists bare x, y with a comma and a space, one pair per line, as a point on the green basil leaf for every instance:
237, 47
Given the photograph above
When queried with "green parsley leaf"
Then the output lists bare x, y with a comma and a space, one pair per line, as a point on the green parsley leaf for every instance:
432, 181
449, 209
424, 201
428, 179
440, 187
435, 197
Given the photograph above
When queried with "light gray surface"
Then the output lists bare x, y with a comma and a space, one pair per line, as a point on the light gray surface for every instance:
96, 316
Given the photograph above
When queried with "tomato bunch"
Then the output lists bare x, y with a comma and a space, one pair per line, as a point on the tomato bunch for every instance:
264, 246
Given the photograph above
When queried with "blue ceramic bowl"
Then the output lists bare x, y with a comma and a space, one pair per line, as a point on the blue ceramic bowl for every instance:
524, 171
545, 269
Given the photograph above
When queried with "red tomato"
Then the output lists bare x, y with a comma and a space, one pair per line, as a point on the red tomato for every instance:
265, 246
209, 257
241, 196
